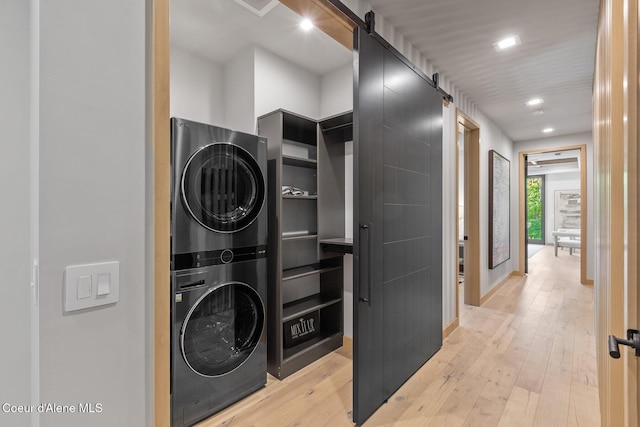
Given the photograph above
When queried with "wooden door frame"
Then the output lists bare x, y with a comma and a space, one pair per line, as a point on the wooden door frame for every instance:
158, 107
583, 206
472, 291
616, 157
332, 20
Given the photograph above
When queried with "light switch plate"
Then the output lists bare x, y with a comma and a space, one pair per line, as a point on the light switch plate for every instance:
104, 288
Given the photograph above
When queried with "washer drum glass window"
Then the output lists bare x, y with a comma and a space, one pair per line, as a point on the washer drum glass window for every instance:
223, 187
222, 329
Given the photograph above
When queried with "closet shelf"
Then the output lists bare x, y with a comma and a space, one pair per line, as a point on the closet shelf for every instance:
304, 282
307, 305
299, 161
304, 237
324, 338
289, 196
296, 273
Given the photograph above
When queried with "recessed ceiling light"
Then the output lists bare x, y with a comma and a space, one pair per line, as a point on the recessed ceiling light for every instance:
547, 130
535, 101
506, 43
306, 24
538, 112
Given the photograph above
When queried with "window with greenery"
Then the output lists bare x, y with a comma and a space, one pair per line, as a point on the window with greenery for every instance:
535, 208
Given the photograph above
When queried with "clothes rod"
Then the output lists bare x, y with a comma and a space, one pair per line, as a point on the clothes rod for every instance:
343, 125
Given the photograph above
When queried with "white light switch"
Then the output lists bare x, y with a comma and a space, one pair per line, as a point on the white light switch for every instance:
104, 282
84, 287
91, 285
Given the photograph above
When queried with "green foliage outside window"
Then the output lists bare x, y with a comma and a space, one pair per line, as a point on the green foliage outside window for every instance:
534, 207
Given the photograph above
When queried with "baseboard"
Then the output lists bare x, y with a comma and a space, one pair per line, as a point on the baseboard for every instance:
588, 282
497, 287
347, 342
450, 327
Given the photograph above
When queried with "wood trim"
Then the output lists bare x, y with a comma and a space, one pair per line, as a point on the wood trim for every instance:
601, 119
632, 364
327, 17
633, 291
160, 142
517, 273
472, 288
615, 107
583, 207
497, 287
584, 200
347, 343
456, 258
472, 284
450, 328
466, 120
617, 403
521, 226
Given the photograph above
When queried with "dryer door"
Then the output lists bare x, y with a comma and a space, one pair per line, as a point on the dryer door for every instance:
223, 187
222, 329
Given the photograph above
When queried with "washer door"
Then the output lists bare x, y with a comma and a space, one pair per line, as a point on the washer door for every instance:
223, 187
222, 329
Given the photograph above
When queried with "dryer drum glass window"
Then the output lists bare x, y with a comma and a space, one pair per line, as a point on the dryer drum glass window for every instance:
222, 329
222, 187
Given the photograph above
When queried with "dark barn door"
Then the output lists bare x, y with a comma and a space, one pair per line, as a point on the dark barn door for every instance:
397, 224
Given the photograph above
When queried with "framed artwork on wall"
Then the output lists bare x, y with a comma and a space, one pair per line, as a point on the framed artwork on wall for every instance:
499, 212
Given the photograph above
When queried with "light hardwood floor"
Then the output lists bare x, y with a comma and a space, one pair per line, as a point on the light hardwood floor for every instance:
527, 357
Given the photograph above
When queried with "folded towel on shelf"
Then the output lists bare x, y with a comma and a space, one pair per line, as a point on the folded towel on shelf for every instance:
293, 191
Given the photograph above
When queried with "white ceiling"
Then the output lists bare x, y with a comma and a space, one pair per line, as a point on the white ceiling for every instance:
221, 29
555, 60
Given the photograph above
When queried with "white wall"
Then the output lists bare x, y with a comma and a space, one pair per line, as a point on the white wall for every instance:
92, 206
15, 303
196, 88
492, 138
336, 91
254, 83
239, 92
554, 182
281, 84
553, 143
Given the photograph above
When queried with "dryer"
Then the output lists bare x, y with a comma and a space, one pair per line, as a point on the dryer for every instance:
218, 350
218, 268
218, 192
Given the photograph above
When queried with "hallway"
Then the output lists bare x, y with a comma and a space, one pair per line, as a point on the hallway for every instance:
527, 357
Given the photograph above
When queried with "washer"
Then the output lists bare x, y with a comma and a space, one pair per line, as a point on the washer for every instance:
218, 268
218, 192
219, 351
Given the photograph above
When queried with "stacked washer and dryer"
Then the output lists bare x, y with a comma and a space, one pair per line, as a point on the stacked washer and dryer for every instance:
218, 268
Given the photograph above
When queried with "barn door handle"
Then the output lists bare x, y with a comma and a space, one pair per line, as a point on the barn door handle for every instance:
369, 250
633, 341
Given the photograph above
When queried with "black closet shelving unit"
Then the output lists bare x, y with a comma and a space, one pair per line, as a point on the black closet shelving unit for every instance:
304, 281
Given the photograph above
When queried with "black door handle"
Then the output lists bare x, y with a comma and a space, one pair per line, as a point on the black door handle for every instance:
369, 249
633, 341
